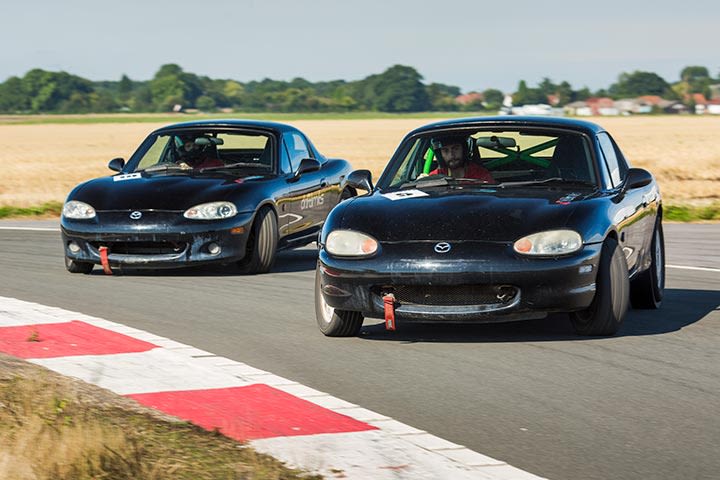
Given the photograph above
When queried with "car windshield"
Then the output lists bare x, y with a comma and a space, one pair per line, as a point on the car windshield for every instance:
199, 151
499, 158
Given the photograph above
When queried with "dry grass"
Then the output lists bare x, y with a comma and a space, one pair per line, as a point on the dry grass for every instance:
56, 428
682, 152
42, 163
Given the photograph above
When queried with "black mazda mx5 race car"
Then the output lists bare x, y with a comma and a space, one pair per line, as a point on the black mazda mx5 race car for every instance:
544, 215
208, 191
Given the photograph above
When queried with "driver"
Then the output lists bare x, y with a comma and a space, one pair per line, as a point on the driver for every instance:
453, 152
196, 156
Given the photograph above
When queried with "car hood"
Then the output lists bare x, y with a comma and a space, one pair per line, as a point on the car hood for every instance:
463, 215
158, 192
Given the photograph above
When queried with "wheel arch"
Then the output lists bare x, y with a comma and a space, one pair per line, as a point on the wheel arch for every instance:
269, 204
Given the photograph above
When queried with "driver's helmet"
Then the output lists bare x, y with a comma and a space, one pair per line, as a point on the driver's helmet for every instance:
188, 149
439, 142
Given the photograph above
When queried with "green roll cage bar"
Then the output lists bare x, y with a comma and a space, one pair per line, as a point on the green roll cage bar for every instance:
509, 156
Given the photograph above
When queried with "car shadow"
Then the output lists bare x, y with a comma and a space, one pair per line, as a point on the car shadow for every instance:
299, 260
681, 307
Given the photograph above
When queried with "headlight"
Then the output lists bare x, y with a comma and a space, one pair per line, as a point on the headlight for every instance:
347, 243
553, 242
78, 210
211, 211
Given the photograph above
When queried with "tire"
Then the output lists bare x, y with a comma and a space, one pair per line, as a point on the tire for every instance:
333, 322
261, 245
612, 291
78, 267
646, 291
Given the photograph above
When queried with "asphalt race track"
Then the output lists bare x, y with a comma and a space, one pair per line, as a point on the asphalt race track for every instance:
641, 405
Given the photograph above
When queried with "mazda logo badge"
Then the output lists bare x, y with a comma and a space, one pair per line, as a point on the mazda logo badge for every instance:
442, 247
136, 215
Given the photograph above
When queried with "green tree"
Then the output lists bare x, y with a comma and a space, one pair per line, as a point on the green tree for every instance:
694, 72
547, 87
640, 83
528, 96
205, 103
399, 89
103, 101
77, 103
171, 86
601, 93
234, 93
125, 85
698, 80
50, 91
13, 97
565, 93
141, 99
493, 98
124, 88
520, 96
442, 97
583, 94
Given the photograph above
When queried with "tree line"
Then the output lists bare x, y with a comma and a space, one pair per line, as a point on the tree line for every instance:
400, 88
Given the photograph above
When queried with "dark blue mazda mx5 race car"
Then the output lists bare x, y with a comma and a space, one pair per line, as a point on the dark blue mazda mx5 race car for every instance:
227, 191
495, 219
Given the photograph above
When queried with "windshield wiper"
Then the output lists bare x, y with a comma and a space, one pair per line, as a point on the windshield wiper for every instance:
426, 182
443, 181
237, 165
545, 181
165, 167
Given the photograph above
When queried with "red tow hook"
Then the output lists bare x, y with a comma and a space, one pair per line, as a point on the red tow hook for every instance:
104, 260
389, 301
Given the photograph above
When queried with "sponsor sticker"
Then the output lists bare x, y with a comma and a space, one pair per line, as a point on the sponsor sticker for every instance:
312, 202
127, 176
405, 194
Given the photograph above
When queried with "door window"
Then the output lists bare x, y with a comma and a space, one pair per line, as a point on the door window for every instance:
614, 165
297, 149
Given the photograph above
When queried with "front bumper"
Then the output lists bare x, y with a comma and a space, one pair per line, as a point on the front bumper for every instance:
459, 286
159, 240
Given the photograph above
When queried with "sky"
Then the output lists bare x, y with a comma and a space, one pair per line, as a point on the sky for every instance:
471, 44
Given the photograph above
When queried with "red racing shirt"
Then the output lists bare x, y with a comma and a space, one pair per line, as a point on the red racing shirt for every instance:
472, 170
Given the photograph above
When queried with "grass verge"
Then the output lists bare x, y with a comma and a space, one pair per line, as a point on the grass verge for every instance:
47, 209
54, 427
673, 213
690, 213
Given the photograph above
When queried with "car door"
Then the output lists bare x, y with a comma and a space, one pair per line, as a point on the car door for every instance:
307, 205
632, 213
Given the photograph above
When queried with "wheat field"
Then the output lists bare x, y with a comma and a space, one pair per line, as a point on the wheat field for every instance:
42, 162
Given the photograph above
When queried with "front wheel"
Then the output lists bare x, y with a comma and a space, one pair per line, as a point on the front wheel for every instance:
646, 291
261, 245
333, 322
74, 266
612, 291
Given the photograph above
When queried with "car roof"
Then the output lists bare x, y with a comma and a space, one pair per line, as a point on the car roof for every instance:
230, 122
511, 121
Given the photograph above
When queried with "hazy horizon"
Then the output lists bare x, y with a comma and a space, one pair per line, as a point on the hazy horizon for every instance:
465, 43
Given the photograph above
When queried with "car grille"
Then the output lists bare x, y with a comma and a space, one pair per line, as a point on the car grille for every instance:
142, 248
449, 295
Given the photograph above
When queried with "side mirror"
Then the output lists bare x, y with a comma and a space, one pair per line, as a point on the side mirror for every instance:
116, 164
307, 165
361, 179
636, 178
